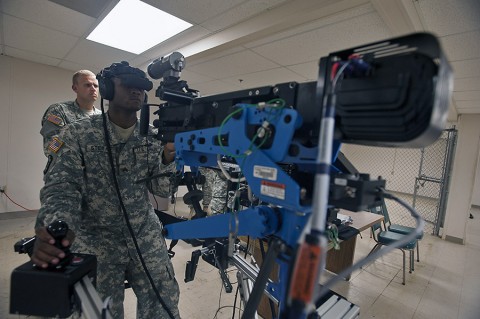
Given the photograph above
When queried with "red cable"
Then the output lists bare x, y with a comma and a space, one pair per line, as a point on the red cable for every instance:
16, 202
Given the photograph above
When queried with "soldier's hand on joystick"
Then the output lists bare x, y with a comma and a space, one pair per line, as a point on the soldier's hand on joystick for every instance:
58, 230
51, 247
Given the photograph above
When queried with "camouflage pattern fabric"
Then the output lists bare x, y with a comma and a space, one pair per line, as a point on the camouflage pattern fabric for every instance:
57, 116
214, 190
79, 189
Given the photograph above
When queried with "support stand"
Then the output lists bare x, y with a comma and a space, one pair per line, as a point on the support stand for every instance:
91, 305
223, 275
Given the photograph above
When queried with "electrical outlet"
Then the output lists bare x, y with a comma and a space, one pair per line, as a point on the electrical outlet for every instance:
2, 188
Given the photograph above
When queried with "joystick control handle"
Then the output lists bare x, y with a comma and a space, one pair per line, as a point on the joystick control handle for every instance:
58, 229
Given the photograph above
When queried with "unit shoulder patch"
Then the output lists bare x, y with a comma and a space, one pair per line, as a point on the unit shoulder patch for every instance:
55, 119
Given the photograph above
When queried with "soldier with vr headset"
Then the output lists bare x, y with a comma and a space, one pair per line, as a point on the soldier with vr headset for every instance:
96, 184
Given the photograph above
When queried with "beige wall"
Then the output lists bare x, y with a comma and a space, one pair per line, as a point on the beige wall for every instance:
399, 167
26, 90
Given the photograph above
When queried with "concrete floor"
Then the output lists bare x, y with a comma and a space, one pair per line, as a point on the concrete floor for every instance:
445, 283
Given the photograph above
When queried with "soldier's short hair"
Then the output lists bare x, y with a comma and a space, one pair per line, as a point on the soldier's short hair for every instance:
80, 73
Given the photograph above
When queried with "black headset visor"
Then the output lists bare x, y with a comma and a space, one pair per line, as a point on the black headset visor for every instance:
134, 81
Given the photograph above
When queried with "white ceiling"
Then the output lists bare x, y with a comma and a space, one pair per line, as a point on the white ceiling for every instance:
249, 42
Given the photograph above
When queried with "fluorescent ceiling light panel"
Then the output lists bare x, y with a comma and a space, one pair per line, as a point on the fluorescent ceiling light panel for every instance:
135, 26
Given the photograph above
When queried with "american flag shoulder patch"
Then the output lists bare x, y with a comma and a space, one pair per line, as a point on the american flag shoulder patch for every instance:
55, 119
55, 144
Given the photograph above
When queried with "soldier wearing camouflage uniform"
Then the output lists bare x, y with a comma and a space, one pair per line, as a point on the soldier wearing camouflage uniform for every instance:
214, 191
80, 190
58, 115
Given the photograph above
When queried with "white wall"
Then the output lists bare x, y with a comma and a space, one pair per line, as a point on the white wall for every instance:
399, 167
26, 90
476, 187
463, 177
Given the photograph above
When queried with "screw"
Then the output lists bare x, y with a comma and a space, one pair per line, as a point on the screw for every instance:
2, 188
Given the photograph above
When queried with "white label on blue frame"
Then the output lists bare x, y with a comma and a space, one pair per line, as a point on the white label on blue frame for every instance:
265, 172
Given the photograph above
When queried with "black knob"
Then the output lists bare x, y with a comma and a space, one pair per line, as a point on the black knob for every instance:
58, 229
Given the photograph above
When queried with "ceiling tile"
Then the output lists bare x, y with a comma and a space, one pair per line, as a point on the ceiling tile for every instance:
447, 17
202, 58
214, 87
468, 106
462, 46
467, 96
168, 46
466, 68
140, 62
264, 78
73, 66
235, 64
30, 56
34, 38
193, 78
310, 46
92, 8
194, 11
49, 15
474, 110
308, 70
240, 13
317, 24
467, 84
99, 56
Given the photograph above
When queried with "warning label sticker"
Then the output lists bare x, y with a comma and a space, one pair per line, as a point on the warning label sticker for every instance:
272, 189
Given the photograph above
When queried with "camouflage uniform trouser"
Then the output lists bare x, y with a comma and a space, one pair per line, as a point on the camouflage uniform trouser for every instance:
117, 260
214, 190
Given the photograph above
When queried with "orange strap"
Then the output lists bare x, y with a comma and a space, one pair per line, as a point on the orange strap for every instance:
305, 272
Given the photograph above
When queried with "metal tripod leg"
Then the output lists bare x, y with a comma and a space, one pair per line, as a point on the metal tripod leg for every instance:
245, 286
226, 281
91, 305
249, 274
262, 279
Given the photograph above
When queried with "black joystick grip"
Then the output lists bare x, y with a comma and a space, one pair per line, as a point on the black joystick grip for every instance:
58, 229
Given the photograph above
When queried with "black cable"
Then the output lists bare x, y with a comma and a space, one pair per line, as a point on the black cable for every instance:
270, 302
156, 203
220, 296
222, 307
248, 246
125, 214
235, 301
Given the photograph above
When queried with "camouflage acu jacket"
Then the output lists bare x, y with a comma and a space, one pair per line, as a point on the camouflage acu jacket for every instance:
57, 116
79, 187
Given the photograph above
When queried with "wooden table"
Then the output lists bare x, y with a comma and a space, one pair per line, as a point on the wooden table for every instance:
338, 260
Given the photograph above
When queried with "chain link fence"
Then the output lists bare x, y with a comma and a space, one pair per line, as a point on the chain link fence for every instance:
418, 176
